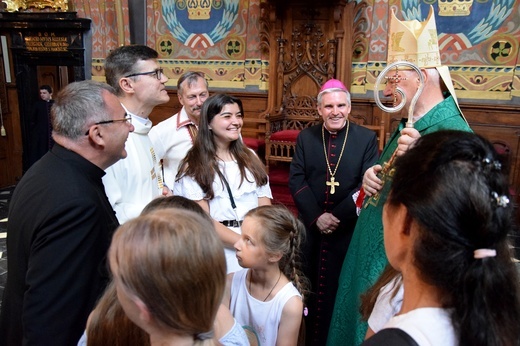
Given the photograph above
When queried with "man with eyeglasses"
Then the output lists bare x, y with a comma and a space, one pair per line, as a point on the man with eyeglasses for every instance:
61, 222
173, 137
135, 74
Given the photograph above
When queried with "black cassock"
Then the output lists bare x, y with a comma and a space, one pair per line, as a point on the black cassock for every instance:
40, 131
324, 254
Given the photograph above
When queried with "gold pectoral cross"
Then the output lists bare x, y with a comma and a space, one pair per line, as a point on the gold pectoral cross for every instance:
332, 185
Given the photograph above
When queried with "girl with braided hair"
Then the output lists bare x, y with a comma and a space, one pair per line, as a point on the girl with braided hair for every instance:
446, 223
267, 298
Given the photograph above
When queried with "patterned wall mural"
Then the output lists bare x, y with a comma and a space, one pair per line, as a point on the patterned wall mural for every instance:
479, 40
109, 27
217, 37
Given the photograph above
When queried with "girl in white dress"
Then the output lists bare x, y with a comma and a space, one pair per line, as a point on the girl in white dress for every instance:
266, 299
221, 174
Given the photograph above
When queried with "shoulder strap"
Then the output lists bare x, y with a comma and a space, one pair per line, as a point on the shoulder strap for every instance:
233, 205
390, 337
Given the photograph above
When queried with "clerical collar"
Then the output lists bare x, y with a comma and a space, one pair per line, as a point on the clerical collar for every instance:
335, 132
141, 120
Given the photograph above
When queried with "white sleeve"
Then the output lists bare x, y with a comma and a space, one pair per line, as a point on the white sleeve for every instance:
115, 181
189, 188
264, 191
387, 304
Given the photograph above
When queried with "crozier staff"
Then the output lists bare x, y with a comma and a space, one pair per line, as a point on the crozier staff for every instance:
436, 109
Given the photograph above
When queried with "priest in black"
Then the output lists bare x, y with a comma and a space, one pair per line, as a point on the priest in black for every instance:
61, 222
40, 129
325, 177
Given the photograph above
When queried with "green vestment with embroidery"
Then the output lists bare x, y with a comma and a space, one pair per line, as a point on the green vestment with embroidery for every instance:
366, 258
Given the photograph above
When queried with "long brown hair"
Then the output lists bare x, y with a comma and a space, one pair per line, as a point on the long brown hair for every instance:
174, 263
201, 162
109, 325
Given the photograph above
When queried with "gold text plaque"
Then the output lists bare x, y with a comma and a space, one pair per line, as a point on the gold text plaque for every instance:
46, 42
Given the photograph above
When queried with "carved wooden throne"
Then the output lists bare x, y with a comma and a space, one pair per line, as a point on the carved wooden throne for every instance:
306, 48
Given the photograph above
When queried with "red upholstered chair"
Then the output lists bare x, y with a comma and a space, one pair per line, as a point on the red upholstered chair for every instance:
282, 129
253, 143
253, 134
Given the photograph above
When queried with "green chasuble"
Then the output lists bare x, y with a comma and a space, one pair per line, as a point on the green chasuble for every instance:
366, 258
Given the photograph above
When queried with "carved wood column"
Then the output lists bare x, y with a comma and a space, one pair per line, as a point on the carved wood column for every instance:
308, 42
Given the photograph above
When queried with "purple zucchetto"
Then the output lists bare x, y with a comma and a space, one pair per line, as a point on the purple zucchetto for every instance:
333, 84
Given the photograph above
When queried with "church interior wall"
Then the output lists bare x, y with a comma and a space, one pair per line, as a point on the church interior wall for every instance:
226, 40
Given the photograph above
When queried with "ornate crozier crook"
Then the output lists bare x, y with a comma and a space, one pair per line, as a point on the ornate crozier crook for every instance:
397, 108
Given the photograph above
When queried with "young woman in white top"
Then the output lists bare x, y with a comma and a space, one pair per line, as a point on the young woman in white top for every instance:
221, 174
266, 299
446, 223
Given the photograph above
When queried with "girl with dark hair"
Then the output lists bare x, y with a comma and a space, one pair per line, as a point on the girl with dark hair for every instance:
267, 298
446, 223
221, 174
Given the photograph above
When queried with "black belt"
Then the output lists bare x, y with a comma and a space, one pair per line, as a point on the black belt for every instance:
231, 223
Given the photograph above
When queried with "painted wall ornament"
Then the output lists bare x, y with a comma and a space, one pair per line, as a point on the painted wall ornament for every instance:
199, 9
475, 23
454, 8
22, 5
200, 22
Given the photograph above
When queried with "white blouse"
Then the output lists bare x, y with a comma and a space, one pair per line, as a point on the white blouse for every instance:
245, 196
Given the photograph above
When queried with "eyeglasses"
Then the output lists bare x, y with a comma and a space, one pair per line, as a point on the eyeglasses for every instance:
127, 118
158, 74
